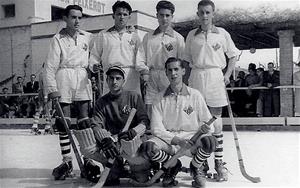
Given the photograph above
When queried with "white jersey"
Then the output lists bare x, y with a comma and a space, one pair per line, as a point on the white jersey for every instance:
178, 115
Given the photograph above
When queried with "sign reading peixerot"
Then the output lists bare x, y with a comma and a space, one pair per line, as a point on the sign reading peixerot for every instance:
94, 5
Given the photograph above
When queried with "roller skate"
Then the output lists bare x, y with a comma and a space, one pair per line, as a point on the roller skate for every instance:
170, 175
35, 130
63, 171
92, 171
222, 171
198, 175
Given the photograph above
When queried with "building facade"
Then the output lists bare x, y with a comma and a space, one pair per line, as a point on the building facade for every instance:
25, 12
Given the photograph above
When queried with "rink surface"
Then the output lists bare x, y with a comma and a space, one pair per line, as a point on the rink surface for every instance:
27, 160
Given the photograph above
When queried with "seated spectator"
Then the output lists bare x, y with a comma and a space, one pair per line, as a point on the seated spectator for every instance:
251, 80
5, 103
271, 96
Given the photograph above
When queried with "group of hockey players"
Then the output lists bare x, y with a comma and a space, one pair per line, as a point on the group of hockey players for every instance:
176, 111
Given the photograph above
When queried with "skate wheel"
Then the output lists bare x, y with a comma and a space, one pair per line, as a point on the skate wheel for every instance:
209, 175
174, 183
54, 95
215, 176
194, 184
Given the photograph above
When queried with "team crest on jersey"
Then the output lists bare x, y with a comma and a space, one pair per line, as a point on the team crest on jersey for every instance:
169, 47
188, 110
216, 46
85, 47
126, 109
131, 42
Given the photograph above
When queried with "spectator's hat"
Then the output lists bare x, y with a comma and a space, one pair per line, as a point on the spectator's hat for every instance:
116, 68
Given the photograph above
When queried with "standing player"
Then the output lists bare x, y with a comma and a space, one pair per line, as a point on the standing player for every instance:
158, 46
65, 71
119, 46
205, 49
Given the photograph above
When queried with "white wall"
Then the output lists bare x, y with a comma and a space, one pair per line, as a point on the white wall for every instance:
20, 37
24, 9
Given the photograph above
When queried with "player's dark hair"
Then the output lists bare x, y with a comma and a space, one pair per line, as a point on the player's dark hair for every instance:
205, 3
70, 7
121, 4
174, 59
165, 5
260, 69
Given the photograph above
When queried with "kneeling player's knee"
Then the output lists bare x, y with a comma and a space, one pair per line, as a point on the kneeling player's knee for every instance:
149, 149
209, 144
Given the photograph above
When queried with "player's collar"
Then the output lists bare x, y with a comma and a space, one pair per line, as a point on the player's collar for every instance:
128, 29
184, 91
64, 33
214, 29
169, 31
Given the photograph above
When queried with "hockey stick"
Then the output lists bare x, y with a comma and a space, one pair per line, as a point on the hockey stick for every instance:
238, 149
55, 96
111, 161
174, 158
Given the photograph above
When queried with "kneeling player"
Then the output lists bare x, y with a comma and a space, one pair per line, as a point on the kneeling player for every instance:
177, 115
109, 118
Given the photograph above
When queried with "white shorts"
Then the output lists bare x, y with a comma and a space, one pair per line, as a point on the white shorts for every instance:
158, 81
210, 83
132, 81
73, 85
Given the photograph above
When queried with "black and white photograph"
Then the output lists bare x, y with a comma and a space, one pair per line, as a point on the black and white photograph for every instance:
150, 93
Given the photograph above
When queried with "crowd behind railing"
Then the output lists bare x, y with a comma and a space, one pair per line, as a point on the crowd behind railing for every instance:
252, 94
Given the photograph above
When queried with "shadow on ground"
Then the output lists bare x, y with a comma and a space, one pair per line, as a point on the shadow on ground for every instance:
40, 178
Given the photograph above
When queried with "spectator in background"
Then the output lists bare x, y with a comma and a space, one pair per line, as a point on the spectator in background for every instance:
20, 101
5, 103
259, 102
232, 98
32, 86
297, 91
240, 95
251, 80
18, 87
271, 95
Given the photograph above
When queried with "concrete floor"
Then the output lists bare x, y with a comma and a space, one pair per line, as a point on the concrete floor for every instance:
27, 160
